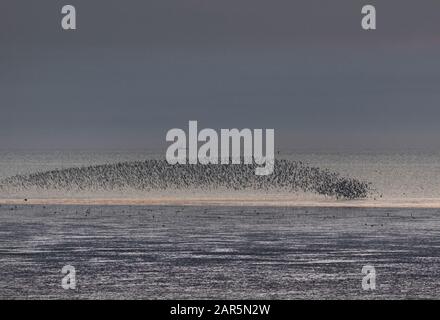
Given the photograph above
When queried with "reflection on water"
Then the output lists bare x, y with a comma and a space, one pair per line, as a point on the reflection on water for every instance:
218, 252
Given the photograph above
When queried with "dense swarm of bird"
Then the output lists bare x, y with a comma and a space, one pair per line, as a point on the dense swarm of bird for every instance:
159, 175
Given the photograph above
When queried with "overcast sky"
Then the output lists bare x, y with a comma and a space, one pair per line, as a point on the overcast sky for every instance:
134, 69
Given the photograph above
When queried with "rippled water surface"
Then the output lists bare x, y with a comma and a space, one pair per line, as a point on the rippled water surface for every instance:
218, 252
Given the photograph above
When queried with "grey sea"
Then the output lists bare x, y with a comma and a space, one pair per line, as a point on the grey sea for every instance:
246, 251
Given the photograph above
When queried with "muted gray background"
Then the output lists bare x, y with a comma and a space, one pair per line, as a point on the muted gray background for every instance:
135, 69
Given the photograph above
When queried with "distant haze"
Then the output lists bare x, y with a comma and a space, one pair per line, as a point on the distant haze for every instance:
135, 69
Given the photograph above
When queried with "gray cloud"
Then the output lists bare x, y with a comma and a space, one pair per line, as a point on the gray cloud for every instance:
134, 69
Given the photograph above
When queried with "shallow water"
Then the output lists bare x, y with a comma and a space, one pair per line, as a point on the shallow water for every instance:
200, 252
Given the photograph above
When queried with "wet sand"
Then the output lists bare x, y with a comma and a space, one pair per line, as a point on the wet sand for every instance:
223, 252
237, 201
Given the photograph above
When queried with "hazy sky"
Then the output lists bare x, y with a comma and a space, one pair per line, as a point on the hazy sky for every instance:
134, 69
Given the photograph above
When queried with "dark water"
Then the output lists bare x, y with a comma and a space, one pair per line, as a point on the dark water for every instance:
218, 252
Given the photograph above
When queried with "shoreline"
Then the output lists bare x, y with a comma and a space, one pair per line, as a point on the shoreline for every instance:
415, 203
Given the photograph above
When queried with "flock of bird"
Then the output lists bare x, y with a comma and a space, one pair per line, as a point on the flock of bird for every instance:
291, 176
